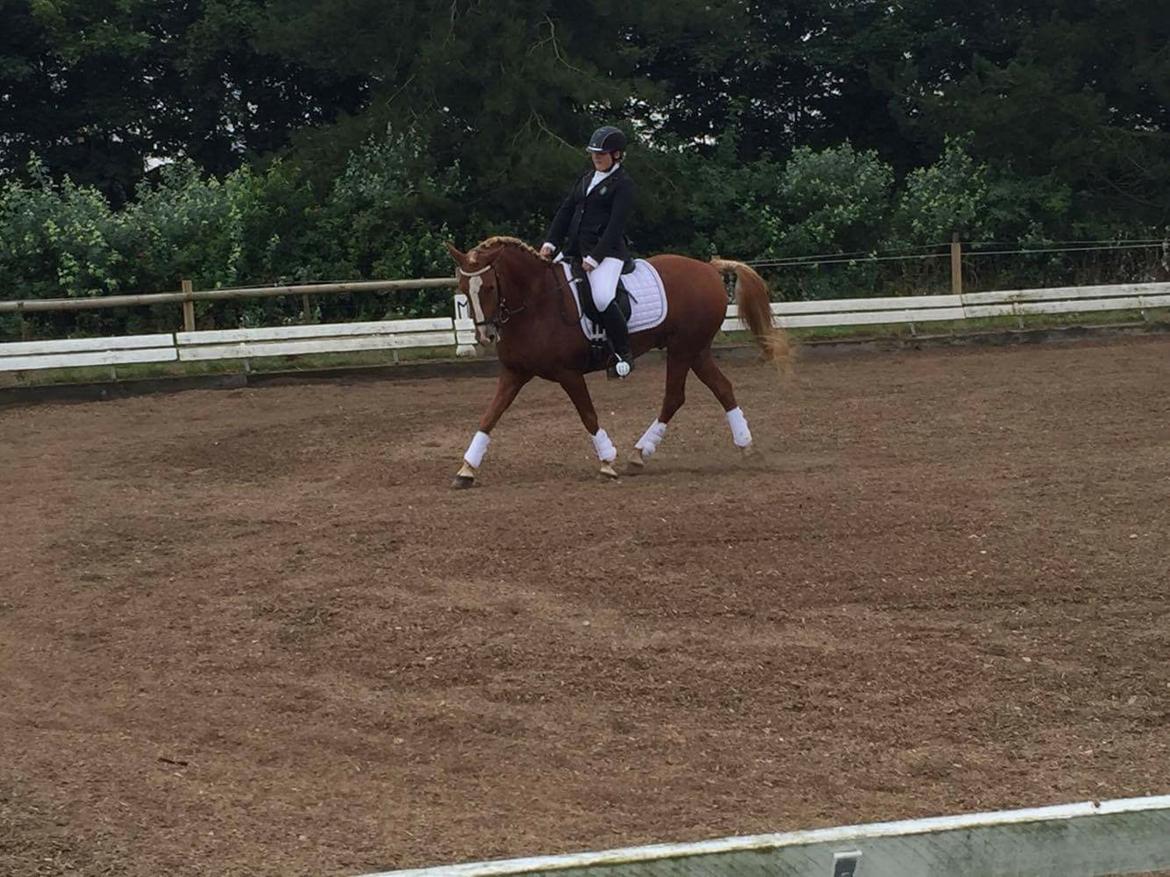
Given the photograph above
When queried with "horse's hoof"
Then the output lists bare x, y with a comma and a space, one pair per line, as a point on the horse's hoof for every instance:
636, 463
747, 452
465, 478
608, 471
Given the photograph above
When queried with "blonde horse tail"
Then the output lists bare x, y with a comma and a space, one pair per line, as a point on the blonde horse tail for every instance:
755, 312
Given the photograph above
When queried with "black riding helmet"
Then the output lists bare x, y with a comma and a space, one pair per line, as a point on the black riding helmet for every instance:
607, 139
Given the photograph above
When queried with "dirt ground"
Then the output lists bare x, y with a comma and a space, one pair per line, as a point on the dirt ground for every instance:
254, 632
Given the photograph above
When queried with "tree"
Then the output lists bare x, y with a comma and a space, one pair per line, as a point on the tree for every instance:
1073, 91
102, 88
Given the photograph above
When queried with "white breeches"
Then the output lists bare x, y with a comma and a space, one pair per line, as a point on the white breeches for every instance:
603, 281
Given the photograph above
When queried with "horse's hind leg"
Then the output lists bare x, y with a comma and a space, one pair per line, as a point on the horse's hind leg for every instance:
709, 373
574, 384
677, 366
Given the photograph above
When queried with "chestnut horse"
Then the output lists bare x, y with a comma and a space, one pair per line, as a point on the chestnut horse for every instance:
522, 302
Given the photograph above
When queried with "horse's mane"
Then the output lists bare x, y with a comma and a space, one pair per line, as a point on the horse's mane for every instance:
501, 241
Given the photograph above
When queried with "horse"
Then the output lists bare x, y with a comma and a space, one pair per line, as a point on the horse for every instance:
523, 304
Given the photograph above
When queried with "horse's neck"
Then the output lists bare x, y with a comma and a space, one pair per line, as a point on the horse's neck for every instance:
536, 281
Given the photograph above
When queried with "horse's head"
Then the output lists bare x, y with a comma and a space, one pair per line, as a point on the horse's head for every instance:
480, 283
480, 272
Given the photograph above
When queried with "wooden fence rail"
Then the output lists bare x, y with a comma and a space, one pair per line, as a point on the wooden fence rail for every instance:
193, 295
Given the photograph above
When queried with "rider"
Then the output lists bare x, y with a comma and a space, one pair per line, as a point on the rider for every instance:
591, 225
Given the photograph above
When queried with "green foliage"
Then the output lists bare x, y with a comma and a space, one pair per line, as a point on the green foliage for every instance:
58, 240
832, 200
251, 227
99, 88
949, 197
384, 218
728, 200
302, 140
388, 184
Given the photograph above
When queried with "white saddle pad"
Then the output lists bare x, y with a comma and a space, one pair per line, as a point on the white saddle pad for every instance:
647, 300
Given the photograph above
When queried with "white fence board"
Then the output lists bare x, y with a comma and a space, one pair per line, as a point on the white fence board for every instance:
858, 318
1061, 307
80, 360
327, 330
895, 303
1119, 290
1074, 307
1000, 310
69, 345
1075, 840
854, 318
251, 350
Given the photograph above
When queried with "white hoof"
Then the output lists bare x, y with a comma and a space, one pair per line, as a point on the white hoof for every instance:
608, 471
636, 463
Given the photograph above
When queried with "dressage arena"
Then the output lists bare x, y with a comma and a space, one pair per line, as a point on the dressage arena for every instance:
254, 631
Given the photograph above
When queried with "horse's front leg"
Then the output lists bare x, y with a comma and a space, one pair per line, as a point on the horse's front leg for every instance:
508, 386
575, 386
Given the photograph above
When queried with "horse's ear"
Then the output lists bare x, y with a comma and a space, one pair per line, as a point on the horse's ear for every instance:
459, 257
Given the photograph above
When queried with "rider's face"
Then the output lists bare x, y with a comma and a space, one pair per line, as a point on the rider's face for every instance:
602, 161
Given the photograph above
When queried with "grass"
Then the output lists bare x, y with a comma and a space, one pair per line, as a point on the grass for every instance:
373, 358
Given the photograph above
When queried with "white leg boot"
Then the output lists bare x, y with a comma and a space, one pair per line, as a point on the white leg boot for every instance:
472, 460
648, 444
740, 434
606, 453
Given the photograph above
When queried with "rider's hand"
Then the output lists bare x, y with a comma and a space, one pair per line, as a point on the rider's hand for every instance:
587, 265
547, 250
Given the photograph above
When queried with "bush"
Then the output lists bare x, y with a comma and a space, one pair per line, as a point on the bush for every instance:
833, 201
951, 196
250, 228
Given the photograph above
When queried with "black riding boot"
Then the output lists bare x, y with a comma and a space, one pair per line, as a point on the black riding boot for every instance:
619, 338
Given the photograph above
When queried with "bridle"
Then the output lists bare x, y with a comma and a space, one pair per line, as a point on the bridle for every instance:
503, 312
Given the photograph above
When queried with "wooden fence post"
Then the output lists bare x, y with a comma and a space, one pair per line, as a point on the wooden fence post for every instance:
956, 265
188, 309
306, 308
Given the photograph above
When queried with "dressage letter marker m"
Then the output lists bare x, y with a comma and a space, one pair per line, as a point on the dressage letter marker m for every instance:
464, 327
